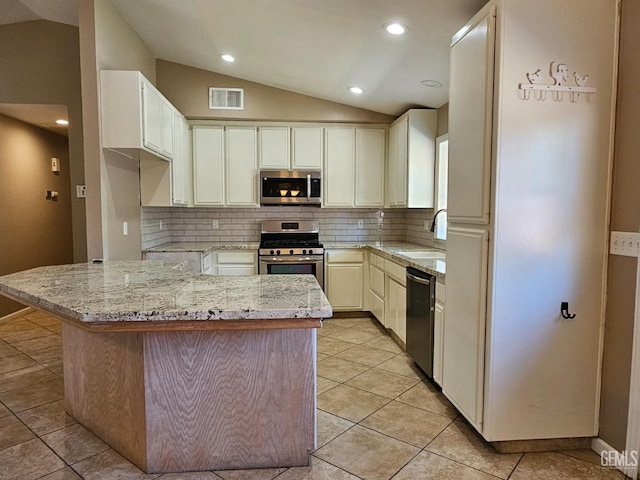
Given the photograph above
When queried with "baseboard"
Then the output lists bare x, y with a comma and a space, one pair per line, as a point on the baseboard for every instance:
17, 314
542, 445
352, 315
598, 445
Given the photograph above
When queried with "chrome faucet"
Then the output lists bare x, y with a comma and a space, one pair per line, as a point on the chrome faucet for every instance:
433, 225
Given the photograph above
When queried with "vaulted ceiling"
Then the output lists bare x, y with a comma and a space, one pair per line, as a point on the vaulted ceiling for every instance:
313, 47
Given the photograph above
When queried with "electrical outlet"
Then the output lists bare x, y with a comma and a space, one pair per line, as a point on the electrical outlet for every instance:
125, 228
360, 224
81, 191
427, 227
625, 243
214, 224
161, 225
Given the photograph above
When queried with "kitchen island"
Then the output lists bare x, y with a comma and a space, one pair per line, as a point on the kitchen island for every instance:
182, 372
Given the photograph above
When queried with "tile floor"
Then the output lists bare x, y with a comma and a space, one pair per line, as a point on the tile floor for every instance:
377, 419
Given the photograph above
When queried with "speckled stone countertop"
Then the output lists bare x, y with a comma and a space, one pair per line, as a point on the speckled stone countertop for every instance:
203, 247
146, 290
437, 267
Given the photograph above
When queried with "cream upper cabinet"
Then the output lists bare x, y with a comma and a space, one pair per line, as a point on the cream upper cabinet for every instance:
152, 118
339, 166
274, 148
411, 153
208, 166
181, 177
370, 164
241, 166
470, 124
306, 148
135, 115
354, 167
168, 183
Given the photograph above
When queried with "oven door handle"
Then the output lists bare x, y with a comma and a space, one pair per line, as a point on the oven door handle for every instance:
291, 259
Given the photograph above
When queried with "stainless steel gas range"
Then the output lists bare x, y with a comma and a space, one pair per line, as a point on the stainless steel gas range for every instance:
291, 246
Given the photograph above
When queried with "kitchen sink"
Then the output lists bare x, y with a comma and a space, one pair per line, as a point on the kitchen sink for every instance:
424, 255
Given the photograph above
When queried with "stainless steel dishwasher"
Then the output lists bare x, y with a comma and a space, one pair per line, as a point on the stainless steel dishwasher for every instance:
421, 297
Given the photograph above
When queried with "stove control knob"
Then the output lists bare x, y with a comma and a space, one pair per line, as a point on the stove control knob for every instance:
277, 252
310, 252
290, 252
304, 252
270, 252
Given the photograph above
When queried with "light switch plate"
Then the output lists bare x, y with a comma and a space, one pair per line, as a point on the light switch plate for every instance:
625, 243
360, 224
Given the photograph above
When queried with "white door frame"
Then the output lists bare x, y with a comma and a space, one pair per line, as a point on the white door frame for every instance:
633, 418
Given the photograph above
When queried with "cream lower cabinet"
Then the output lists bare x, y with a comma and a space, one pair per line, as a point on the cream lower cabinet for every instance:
344, 279
388, 294
198, 262
232, 263
438, 333
377, 287
395, 303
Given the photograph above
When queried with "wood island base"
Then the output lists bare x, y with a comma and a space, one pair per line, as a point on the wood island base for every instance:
188, 400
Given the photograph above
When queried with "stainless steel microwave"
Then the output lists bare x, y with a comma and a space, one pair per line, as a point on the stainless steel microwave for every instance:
290, 187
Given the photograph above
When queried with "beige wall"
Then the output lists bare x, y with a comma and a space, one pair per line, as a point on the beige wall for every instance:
35, 231
108, 42
188, 89
443, 119
40, 65
625, 216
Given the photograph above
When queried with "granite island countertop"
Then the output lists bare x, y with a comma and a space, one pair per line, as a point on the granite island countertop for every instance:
147, 291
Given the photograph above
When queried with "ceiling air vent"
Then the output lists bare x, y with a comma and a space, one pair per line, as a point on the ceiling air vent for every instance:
226, 98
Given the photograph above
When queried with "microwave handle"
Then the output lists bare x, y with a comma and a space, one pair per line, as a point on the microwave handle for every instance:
308, 187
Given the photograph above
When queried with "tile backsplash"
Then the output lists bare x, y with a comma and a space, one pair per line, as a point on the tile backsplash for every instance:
177, 224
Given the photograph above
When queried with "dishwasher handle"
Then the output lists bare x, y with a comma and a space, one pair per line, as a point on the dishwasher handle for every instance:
423, 281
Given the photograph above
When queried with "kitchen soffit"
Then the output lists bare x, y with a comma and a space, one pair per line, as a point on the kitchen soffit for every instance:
313, 47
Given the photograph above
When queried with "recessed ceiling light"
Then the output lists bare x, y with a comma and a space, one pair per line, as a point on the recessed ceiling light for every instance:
395, 28
62, 122
356, 90
431, 83
227, 58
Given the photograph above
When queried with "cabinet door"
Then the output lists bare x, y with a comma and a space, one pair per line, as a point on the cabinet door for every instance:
464, 324
344, 286
208, 166
401, 162
470, 123
376, 280
151, 118
234, 270
241, 166
339, 167
306, 148
177, 162
370, 148
401, 312
167, 129
376, 304
437, 342
392, 165
273, 145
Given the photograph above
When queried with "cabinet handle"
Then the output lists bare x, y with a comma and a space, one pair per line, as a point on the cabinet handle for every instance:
564, 310
308, 187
